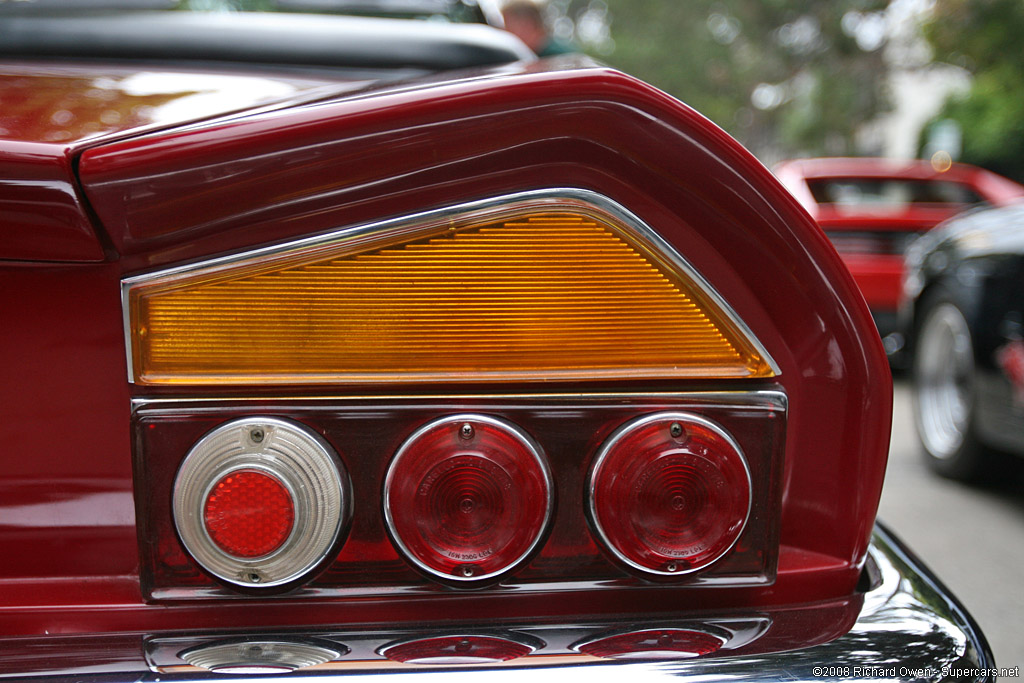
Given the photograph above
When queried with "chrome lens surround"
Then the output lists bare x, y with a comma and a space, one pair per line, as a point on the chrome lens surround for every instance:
608, 447
297, 457
509, 429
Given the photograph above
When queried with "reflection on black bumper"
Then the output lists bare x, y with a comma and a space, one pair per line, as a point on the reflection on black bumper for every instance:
909, 629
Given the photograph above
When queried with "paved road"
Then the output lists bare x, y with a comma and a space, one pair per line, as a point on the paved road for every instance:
972, 538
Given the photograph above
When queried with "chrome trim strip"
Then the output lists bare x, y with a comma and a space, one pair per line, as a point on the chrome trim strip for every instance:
126, 321
769, 399
407, 226
534, 449
614, 439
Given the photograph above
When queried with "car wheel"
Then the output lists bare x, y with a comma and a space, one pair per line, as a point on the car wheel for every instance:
943, 383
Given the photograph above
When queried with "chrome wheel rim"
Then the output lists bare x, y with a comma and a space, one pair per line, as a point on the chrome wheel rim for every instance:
944, 381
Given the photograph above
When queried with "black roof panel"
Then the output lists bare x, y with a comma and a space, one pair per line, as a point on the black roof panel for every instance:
260, 38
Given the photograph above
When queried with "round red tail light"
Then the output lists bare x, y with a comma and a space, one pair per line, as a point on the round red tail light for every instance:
669, 493
468, 498
260, 502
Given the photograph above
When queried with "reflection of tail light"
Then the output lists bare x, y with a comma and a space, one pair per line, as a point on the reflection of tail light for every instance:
662, 643
250, 656
260, 501
669, 493
468, 497
469, 649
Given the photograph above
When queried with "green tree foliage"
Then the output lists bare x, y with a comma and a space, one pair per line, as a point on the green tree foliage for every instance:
984, 36
786, 77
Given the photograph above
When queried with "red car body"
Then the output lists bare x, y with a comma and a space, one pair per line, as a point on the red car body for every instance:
872, 208
117, 180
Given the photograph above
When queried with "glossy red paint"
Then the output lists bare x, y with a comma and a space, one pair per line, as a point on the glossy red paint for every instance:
171, 197
66, 505
52, 112
44, 216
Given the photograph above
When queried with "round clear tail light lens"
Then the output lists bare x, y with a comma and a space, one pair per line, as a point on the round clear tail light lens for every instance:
468, 498
662, 643
669, 493
260, 502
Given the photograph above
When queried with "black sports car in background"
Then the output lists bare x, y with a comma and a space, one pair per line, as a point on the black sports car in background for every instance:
964, 304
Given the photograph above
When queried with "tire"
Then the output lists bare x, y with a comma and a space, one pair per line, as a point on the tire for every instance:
943, 385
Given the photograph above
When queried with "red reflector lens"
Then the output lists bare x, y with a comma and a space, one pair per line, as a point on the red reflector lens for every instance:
468, 497
457, 650
249, 513
670, 493
666, 643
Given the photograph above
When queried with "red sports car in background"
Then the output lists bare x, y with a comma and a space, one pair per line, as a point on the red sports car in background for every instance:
872, 209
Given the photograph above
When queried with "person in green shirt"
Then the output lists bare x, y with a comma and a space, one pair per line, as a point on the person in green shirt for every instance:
524, 20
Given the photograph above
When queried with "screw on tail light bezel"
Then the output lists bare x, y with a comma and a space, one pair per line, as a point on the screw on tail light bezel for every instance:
458, 423
305, 465
671, 419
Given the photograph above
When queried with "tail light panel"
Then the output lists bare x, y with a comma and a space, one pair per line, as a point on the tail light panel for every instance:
367, 432
556, 287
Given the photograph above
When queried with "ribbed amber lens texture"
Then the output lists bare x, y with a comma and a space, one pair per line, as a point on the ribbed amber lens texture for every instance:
533, 296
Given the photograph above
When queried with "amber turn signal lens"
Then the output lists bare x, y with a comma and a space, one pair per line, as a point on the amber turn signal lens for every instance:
527, 292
